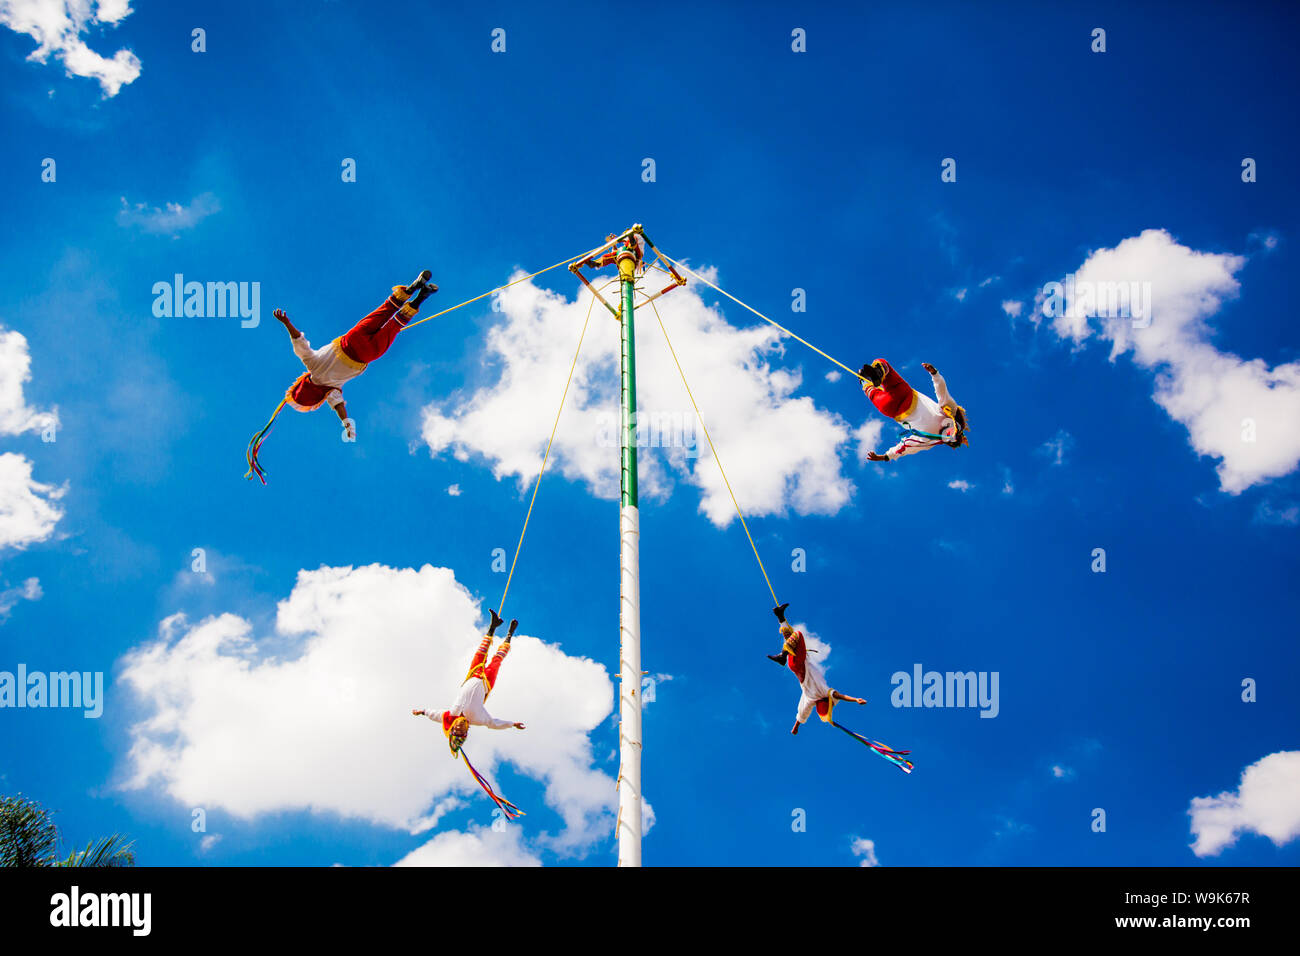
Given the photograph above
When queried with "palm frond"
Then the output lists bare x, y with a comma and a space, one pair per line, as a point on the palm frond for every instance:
113, 850
28, 835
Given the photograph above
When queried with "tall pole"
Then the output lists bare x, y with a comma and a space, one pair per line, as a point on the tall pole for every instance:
629, 534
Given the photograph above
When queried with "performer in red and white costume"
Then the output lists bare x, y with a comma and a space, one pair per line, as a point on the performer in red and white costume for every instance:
330, 367
815, 694
928, 422
469, 707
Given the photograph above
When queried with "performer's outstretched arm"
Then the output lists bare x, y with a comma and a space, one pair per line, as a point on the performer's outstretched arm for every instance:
940, 386
852, 700
284, 320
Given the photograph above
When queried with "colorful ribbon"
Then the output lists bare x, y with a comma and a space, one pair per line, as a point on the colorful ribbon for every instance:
255, 445
896, 757
509, 809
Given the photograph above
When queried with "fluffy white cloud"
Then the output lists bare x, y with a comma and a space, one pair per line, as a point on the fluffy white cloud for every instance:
780, 451
57, 27
1267, 803
317, 716
866, 437
28, 512
865, 849
961, 485
9, 597
174, 219
1061, 772
16, 416
1240, 412
1012, 307
478, 846
28, 509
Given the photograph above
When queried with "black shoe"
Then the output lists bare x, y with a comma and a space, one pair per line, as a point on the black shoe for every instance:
496, 622
426, 290
872, 373
779, 611
419, 282
514, 623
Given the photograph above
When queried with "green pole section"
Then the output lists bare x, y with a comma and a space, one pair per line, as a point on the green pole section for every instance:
627, 366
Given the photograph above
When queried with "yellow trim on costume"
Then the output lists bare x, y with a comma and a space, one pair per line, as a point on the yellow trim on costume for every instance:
408, 311
400, 294
345, 358
830, 708
902, 416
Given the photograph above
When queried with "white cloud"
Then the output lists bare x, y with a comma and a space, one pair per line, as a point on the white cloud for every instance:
9, 597
1267, 803
478, 846
317, 716
1007, 827
1012, 307
1062, 773
865, 849
833, 375
209, 841
989, 281
1287, 514
453, 490
961, 485
1056, 449
960, 295
1240, 412
1007, 487
866, 437
649, 692
57, 27
16, 416
780, 451
28, 509
174, 219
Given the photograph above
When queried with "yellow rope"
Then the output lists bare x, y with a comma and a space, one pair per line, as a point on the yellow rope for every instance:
685, 268
518, 547
499, 288
691, 395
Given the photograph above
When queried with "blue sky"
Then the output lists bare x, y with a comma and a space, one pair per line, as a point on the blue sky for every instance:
779, 170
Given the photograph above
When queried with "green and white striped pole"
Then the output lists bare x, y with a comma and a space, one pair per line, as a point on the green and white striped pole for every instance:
629, 533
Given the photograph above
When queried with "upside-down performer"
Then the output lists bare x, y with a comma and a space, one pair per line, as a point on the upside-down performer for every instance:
330, 367
926, 422
469, 707
818, 695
